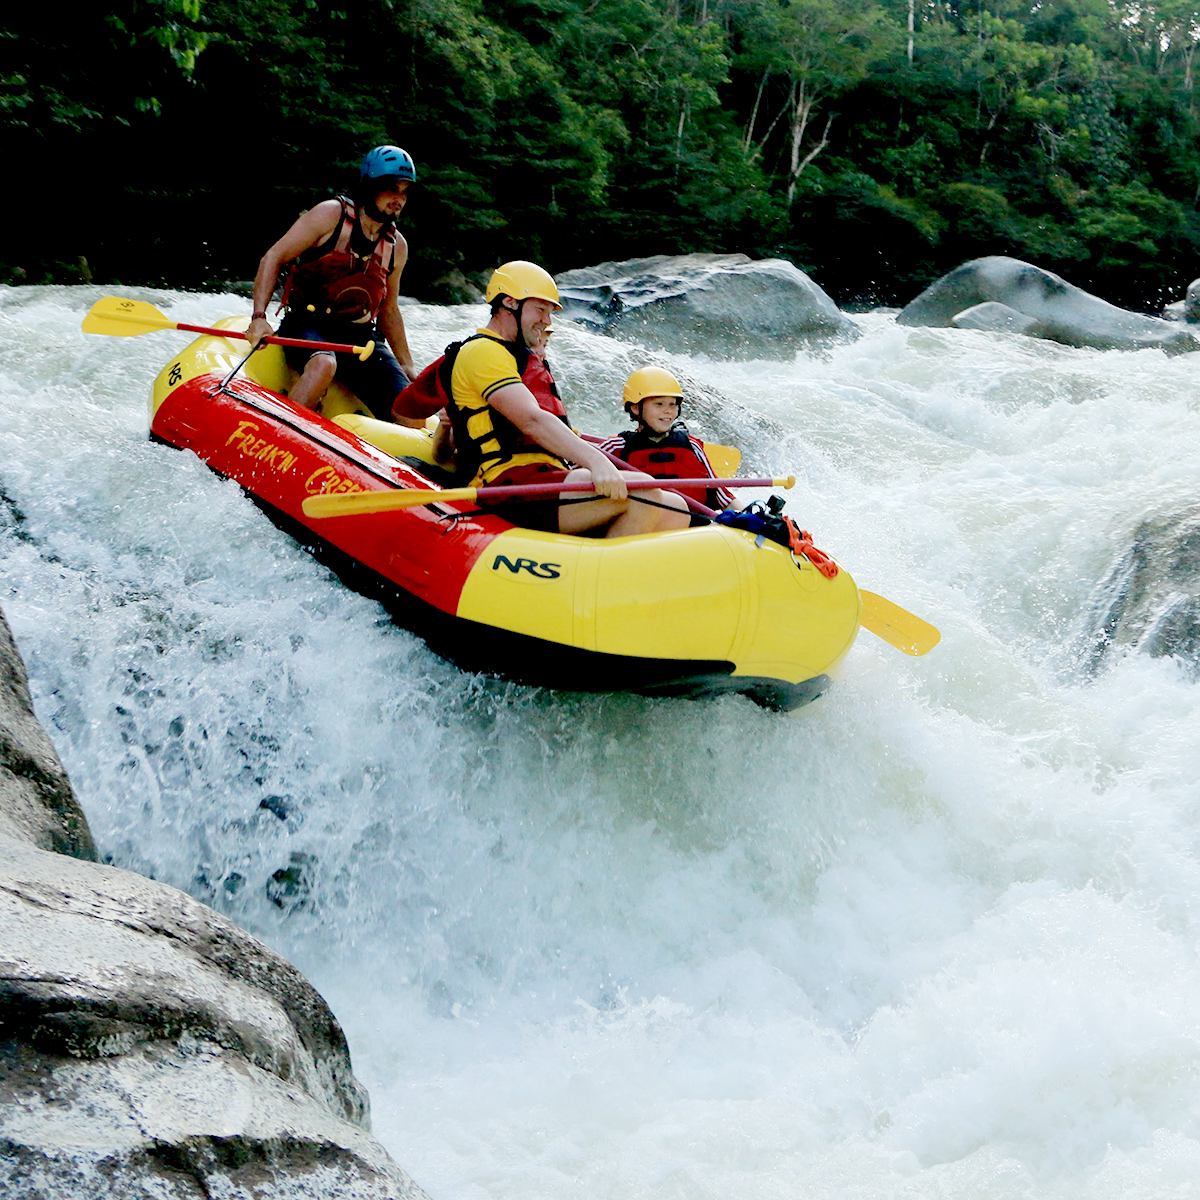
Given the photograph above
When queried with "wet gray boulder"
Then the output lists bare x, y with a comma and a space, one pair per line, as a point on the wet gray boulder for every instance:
37, 803
148, 1045
995, 318
1060, 311
1187, 309
1149, 600
723, 305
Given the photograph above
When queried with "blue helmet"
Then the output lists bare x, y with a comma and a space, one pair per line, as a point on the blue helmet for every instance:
387, 162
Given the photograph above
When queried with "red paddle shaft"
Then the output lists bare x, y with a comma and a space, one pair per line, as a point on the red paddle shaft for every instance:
505, 491
279, 341
668, 484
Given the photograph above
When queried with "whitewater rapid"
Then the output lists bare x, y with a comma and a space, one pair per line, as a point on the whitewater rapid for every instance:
934, 935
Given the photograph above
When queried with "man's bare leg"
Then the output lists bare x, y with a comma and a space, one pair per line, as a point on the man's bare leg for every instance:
624, 518
313, 384
644, 518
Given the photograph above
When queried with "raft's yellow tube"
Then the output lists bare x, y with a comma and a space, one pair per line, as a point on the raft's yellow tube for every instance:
709, 594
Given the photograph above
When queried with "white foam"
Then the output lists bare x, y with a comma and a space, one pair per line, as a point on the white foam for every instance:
934, 936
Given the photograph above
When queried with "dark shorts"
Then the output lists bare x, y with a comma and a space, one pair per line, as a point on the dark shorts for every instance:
376, 382
539, 513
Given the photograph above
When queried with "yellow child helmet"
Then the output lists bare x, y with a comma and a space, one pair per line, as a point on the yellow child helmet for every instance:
650, 381
522, 281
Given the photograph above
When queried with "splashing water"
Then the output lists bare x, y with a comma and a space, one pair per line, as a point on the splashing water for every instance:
935, 935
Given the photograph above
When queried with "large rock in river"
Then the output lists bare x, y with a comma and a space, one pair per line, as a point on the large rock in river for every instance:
148, 1046
1187, 309
1005, 293
1149, 600
37, 803
723, 305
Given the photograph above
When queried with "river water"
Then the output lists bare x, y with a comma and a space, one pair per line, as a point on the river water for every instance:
933, 936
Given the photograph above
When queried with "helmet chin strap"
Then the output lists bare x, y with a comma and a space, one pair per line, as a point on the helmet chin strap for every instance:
368, 193
381, 218
516, 314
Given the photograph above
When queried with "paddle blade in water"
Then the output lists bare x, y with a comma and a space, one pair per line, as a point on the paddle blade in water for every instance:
118, 317
897, 625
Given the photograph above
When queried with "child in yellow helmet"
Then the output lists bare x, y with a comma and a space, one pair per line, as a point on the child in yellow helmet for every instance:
661, 445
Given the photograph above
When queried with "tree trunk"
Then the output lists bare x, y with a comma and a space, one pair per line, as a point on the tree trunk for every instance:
754, 111
679, 135
803, 105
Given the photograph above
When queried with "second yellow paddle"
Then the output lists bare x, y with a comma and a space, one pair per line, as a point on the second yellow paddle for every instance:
897, 626
356, 504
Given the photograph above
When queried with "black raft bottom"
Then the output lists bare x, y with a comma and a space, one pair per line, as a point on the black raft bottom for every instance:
539, 663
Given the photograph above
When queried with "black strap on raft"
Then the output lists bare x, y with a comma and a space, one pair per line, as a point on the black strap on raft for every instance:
669, 507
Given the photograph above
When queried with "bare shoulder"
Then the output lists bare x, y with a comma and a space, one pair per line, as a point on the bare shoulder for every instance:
308, 229
317, 223
322, 217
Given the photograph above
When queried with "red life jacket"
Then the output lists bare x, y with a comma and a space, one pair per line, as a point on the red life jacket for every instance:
345, 276
430, 391
669, 457
500, 440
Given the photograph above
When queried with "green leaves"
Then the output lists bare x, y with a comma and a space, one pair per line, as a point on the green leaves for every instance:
810, 52
576, 130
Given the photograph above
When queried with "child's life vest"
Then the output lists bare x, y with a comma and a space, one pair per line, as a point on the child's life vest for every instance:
674, 455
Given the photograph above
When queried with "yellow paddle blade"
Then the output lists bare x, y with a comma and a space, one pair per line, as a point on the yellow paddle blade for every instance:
357, 504
724, 460
124, 318
897, 625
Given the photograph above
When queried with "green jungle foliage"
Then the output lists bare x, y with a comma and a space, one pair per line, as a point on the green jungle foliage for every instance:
170, 141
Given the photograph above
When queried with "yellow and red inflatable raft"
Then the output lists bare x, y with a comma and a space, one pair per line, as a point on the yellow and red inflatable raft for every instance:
691, 612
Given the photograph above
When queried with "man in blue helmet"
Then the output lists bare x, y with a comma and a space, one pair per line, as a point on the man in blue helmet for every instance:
346, 258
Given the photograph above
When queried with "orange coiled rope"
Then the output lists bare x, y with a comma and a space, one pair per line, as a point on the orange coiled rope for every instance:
801, 543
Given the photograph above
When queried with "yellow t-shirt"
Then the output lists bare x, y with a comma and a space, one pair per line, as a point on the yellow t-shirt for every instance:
481, 368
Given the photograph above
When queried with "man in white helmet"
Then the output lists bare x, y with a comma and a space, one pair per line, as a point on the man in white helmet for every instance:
510, 426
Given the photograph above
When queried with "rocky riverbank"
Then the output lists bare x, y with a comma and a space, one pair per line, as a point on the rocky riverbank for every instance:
148, 1045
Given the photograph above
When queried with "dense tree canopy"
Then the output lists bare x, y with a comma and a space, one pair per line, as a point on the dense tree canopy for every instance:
877, 143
